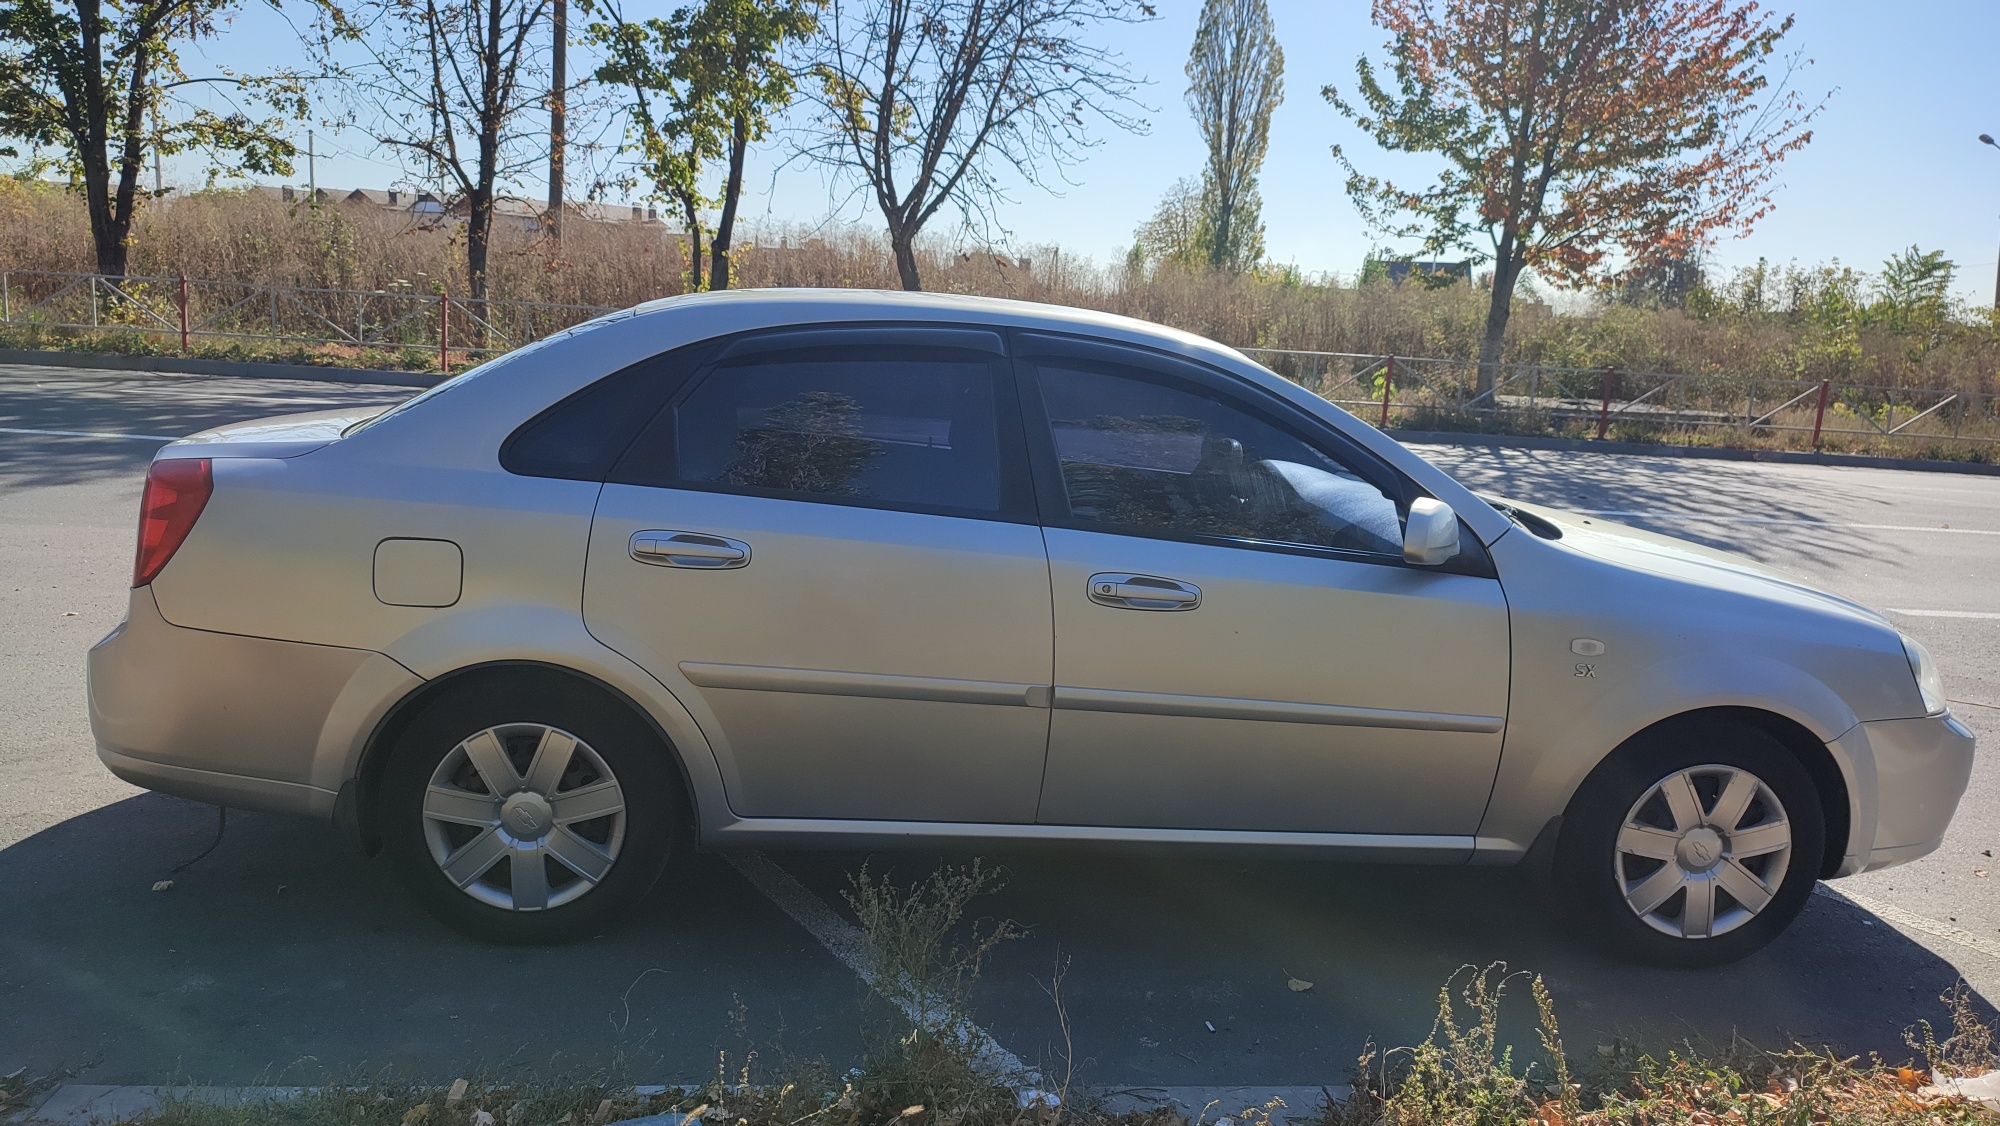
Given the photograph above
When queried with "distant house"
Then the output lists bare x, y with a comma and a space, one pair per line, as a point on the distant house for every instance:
1433, 273
509, 212
395, 199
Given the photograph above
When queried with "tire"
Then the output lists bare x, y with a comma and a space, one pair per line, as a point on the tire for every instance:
1679, 844
588, 820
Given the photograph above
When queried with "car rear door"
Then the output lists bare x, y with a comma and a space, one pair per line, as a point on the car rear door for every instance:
826, 546
1239, 644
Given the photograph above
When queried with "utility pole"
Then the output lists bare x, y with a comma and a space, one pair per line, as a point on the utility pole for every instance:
1987, 139
558, 96
312, 171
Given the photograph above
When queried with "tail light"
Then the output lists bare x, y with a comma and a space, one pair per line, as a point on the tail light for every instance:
176, 491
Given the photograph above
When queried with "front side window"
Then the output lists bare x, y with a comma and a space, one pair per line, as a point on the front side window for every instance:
901, 427
1145, 455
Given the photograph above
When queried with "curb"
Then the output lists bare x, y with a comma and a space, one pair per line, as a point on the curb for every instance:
1710, 453
192, 365
81, 1104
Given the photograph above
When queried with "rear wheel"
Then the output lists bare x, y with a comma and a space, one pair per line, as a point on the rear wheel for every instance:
1695, 844
529, 809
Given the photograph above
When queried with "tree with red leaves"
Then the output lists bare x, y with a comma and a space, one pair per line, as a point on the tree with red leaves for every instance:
1578, 136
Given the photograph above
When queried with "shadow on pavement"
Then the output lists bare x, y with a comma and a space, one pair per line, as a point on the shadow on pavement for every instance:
284, 957
1156, 946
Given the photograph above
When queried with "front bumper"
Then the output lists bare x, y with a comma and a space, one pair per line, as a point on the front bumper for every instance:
246, 722
1920, 770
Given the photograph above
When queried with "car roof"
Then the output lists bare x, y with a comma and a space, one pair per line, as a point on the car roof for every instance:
825, 305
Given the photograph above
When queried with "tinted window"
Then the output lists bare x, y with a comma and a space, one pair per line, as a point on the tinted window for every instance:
1139, 454
581, 437
900, 427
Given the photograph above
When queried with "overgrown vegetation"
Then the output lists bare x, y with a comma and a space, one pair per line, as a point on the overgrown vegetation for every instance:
923, 1067
1768, 322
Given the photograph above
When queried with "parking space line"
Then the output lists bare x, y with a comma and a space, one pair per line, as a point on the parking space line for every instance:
89, 434
1977, 615
1896, 916
845, 941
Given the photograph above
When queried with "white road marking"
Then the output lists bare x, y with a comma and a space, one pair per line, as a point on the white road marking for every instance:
1720, 518
1896, 916
845, 941
89, 434
1977, 615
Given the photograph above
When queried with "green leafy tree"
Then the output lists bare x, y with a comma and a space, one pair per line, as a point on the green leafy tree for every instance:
1916, 291
95, 87
1575, 133
703, 86
1177, 232
1235, 76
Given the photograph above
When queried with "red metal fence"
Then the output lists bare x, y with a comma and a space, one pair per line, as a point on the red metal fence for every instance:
426, 329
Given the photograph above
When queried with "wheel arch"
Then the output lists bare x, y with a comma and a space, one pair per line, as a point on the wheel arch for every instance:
355, 807
1830, 780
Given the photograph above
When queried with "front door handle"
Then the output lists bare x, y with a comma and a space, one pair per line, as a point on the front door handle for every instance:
1142, 592
693, 550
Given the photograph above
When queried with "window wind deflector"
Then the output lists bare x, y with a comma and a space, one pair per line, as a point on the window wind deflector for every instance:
988, 341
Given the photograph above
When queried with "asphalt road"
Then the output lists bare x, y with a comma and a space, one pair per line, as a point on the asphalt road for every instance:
282, 957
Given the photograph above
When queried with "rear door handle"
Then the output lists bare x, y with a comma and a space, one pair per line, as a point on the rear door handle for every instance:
693, 550
1142, 592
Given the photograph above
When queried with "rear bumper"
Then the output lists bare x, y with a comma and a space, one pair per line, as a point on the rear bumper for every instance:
1921, 769
239, 721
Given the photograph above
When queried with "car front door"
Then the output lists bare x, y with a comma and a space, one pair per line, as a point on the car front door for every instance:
826, 546
1239, 643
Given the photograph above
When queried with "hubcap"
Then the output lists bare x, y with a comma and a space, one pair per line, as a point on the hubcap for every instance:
1703, 851
524, 817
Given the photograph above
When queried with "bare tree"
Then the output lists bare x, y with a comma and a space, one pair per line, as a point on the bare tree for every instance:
1236, 73
450, 86
927, 103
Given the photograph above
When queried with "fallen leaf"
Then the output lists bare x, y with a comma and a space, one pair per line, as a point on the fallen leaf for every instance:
1909, 1078
1980, 872
1298, 985
603, 1112
163, 885
457, 1092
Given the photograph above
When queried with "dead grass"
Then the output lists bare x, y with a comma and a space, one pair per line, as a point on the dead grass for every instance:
239, 236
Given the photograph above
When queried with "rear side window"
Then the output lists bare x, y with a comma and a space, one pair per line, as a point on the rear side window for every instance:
583, 436
899, 427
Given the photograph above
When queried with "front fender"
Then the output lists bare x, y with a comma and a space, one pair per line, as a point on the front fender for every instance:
1561, 727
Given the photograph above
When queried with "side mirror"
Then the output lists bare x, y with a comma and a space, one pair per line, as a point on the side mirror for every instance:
1431, 535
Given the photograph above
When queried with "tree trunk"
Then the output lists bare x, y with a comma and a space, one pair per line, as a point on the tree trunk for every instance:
691, 210
725, 224
1491, 345
478, 241
904, 244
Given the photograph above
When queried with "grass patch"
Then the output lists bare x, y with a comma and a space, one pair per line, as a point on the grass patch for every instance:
925, 1065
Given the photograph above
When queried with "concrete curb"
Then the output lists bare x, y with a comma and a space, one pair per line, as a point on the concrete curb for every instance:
192, 365
1712, 453
81, 1104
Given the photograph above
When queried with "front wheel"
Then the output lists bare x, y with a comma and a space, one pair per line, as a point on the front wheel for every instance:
529, 810
1695, 844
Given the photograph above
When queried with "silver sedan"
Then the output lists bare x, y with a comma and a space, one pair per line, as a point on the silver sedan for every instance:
832, 568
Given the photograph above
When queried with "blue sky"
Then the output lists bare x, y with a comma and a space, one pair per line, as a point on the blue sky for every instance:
1894, 160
